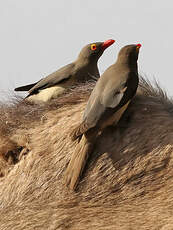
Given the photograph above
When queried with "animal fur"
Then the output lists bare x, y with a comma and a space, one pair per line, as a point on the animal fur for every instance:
127, 183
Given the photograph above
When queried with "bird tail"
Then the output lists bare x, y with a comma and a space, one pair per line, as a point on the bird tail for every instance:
78, 162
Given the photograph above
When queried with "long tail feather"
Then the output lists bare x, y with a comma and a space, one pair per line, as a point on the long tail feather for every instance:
78, 162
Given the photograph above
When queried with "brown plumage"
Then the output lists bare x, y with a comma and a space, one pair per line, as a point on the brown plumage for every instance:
108, 101
83, 69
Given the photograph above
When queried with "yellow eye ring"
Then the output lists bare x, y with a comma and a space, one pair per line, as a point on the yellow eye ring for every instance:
93, 47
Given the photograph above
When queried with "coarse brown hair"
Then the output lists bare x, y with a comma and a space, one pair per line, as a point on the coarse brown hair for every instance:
127, 183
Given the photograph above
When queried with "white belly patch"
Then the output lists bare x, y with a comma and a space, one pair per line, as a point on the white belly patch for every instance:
47, 94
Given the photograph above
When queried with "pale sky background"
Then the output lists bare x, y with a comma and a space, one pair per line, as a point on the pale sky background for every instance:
39, 36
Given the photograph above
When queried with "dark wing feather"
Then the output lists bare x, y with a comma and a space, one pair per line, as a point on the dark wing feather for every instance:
25, 87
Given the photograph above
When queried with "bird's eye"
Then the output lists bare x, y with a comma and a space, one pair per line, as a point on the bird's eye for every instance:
93, 47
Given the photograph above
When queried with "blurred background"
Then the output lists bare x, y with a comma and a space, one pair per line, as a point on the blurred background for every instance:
39, 36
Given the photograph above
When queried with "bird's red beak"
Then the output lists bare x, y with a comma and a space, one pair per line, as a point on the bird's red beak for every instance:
138, 46
107, 43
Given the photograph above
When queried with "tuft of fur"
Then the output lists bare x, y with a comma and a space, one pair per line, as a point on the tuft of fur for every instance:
127, 181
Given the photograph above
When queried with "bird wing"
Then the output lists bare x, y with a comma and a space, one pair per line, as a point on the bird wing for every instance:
53, 79
99, 104
111, 98
25, 87
108, 99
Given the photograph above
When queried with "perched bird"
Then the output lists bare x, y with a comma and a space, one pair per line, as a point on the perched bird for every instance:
81, 70
107, 102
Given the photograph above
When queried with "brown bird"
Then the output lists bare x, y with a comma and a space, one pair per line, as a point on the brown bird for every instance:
83, 69
108, 101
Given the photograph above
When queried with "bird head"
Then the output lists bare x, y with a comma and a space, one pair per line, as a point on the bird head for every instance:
95, 50
129, 53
